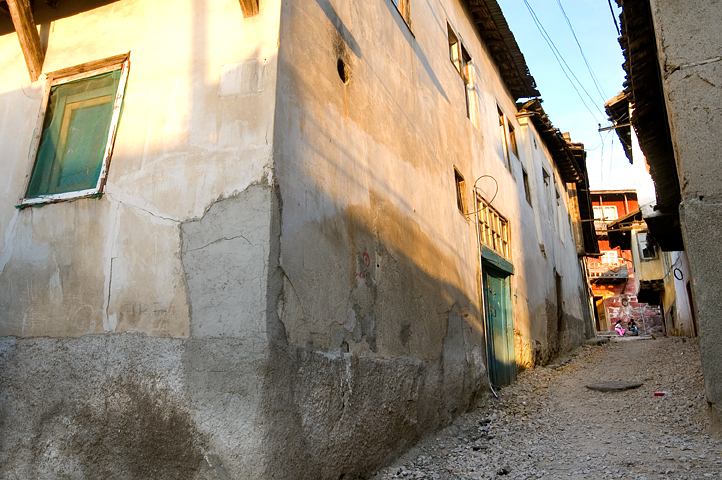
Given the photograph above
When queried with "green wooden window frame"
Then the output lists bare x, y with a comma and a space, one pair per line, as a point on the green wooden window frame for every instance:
76, 131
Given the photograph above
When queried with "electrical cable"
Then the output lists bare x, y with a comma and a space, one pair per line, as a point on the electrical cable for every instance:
492, 198
619, 32
600, 144
591, 73
481, 287
560, 59
674, 269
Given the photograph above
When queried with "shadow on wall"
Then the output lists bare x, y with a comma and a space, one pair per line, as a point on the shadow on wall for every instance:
413, 361
380, 339
377, 335
44, 13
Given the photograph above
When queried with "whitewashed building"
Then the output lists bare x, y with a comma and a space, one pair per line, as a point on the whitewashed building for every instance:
274, 239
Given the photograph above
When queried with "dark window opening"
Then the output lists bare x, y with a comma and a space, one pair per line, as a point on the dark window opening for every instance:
503, 134
647, 248
512, 140
468, 86
460, 191
454, 49
342, 70
527, 190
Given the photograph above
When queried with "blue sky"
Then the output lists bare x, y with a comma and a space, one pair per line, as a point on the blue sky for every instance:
594, 26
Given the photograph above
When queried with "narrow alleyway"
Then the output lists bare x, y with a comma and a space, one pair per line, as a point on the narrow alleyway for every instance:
549, 425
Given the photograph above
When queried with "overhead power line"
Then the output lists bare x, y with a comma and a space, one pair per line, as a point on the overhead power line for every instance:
562, 63
614, 17
591, 73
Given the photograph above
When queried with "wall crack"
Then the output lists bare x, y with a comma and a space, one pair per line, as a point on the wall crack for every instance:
222, 239
670, 69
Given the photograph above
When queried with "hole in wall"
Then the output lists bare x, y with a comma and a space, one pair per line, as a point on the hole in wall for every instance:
342, 70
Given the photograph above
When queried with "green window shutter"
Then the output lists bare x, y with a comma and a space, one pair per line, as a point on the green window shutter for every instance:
75, 135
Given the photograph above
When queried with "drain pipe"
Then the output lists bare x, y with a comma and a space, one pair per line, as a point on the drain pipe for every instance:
481, 289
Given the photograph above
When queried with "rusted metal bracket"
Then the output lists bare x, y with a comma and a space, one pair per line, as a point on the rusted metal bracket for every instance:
28, 36
249, 7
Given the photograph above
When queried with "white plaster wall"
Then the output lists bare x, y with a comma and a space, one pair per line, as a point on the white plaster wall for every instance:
197, 126
548, 244
676, 277
368, 167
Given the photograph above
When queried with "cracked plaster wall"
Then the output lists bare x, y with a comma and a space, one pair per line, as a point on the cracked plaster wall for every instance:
133, 327
196, 128
317, 343
690, 56
546, 244
379, 272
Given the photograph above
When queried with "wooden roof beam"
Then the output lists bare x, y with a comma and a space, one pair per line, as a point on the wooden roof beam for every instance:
249, 7
28, 36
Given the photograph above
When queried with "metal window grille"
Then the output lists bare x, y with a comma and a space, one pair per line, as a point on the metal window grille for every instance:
493, 229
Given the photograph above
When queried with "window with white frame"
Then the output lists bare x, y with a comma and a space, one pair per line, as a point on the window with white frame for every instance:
76, 131
610, 257
603, 214
646, 248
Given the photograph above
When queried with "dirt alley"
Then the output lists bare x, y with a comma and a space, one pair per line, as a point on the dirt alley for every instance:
549, 425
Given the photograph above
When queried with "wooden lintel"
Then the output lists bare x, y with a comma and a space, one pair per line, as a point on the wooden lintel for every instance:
28, 36
249, 7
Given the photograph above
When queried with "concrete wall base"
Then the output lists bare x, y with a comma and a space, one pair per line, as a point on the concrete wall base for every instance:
135, 407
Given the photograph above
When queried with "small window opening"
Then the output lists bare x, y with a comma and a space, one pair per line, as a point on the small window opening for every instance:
512, 140
461, 60
646, 247
460, 191
342, 70
454, 49
502, 132
527, 190
468, 84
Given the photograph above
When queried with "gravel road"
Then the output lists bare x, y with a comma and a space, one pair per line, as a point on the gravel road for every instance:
549, 425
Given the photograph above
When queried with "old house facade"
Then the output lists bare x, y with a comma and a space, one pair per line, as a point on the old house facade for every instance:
611, 273
274, 239
672, 62
661, 279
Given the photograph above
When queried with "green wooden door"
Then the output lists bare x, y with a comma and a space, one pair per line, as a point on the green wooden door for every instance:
499, 327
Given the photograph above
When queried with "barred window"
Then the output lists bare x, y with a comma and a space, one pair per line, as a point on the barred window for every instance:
493, 229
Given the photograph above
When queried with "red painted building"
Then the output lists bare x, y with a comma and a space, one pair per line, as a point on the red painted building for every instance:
611, 275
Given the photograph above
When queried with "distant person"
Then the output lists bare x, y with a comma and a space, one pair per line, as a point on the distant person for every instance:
632, 327
618, 327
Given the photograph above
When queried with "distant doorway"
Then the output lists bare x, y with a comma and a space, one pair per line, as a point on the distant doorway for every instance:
499, 327
597, 320
691, 307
